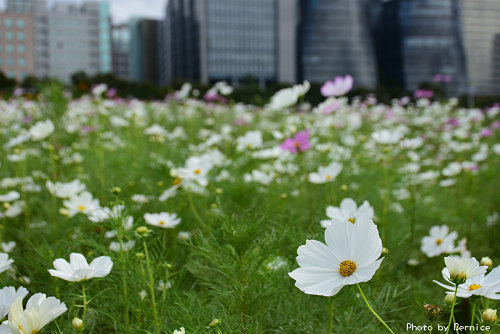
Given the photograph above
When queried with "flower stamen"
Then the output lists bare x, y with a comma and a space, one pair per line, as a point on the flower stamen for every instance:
347, 268
473, 287
439, 241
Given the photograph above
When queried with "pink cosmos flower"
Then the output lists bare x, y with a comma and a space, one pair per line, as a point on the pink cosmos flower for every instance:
338, 87
297, 144
486, 132
423, 94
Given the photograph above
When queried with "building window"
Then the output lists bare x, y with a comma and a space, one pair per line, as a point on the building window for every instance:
9, 35
11, 75
23, 75
9, 48
21, 36
21, 49
8, 23
21, 62
10, 61
20, 23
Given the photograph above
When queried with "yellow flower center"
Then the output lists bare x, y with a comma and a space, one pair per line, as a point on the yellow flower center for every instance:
474, 287
6, 206
347, 267
297, 144
197, 171
352, 220
328, 177
439, 241
177, 181
81, 208
162, 222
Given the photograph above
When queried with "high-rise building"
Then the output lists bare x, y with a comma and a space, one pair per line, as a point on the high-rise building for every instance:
213, 40
16, 45
181, 41
38, 11
386, 31
432, 43
335, 40
67, 38
79, 39
120, 54
481, 28
144, 50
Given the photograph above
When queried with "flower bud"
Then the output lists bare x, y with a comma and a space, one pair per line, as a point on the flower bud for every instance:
486, 261
77, 323
490, 316
216, 322
432, 312
218, 191
344, 187
116, 190
64, 212
448, 299
139, 255
384, 251
6, 206
142, 231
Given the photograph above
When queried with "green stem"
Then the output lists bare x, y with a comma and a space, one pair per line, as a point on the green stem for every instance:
452, 308
151, 287
84, 305
196, 214
472, 317
124, 278
330, 317
370, 308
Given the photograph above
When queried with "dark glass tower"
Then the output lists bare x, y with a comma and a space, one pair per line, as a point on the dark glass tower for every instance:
432, 43
335, 40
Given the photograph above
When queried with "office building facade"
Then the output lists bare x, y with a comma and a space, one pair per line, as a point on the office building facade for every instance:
481, 30
212, 40
335, 40
16, 45
144, 50
120, 51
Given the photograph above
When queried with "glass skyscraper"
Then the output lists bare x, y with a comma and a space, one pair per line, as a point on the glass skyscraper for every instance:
481, 31
432, 43
335, 40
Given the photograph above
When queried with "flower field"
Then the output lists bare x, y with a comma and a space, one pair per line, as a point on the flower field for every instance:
202, 215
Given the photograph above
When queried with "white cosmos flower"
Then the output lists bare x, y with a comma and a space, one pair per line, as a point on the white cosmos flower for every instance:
79, 270
460, 268
42, 130
439, 241
124, 247
82, 203
387, 136
481, 285
10, 196
5, 262
348, 210
65, 190
325, 173
8, 295
251, 140
7, 247
39, 311
349, 257
163, 219
196, 170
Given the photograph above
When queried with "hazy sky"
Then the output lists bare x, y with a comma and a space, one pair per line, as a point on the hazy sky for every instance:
123, 9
